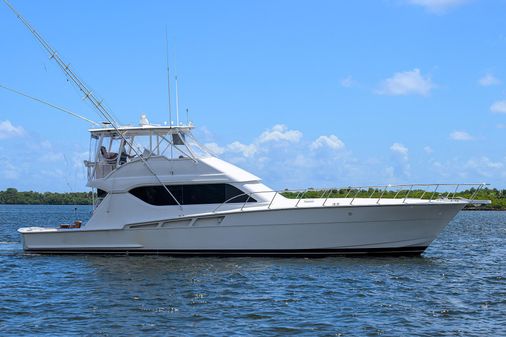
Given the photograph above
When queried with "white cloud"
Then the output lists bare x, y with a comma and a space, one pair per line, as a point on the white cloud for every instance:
428, 150
485, 162
331, 142
437, 6
498, 107
488, 80
277, 136
285, 159
406, 83
245, 149
347, 82
400, 161
399, 148
7, 130
461, 136
215, 148
474, 168
203, 134
485, 167
280, 132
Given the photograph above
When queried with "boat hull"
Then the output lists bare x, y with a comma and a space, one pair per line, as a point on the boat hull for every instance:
319, 231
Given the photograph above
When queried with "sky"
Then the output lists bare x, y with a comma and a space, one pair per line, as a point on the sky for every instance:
300, 93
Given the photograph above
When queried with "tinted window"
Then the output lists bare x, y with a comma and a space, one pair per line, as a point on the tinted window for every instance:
190, 194
101, 193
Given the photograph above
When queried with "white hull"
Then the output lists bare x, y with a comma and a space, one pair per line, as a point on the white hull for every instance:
401, 228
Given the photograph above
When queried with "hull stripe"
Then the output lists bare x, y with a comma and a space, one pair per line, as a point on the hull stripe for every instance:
255, 252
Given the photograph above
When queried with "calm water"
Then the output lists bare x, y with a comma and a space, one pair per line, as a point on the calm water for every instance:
458, 287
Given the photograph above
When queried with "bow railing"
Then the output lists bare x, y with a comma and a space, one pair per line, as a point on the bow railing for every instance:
347, 196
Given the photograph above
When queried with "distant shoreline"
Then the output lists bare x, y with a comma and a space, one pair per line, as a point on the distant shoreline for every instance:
484, 209
11, 196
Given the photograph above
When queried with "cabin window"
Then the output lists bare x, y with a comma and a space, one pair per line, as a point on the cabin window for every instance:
190, 194
101, 193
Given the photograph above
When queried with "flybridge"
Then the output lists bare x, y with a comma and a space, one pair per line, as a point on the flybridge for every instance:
113, 147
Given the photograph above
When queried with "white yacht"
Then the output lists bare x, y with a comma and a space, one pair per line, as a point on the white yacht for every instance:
157, 190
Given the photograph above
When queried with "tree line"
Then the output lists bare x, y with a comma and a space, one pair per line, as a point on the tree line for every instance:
13, 196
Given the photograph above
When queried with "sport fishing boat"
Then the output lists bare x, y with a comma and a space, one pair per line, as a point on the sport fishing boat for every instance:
158, 190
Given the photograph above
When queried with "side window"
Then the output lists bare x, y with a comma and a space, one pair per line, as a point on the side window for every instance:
157, 195
232, 192
191, 194
203, 194
101, 193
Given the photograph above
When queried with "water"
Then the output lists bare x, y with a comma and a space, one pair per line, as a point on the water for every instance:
457, 288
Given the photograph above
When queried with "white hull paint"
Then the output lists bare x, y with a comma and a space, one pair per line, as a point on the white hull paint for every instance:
401, 228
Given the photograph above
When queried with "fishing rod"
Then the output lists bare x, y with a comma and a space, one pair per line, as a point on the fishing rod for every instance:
50, 104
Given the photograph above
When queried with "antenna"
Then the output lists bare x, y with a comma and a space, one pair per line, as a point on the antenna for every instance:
177, 104
168, 73
177, 92
187, 117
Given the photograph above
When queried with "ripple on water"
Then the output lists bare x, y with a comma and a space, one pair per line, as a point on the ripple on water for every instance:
457, 288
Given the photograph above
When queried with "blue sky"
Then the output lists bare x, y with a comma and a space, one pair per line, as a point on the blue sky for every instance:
301, 93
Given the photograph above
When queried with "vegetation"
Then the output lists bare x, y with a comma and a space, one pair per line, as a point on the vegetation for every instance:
498, 197
13, 196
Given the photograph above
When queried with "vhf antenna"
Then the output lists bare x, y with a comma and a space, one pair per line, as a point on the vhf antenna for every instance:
168, 74
177, 91
177, 104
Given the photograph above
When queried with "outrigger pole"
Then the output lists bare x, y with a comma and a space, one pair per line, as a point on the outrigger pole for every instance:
50, 104
88, 94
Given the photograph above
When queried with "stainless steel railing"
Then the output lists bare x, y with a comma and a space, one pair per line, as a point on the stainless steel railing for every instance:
402, 191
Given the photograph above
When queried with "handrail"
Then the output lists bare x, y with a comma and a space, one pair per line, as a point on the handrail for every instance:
272, 200
406, 196
325, 194
384, 190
